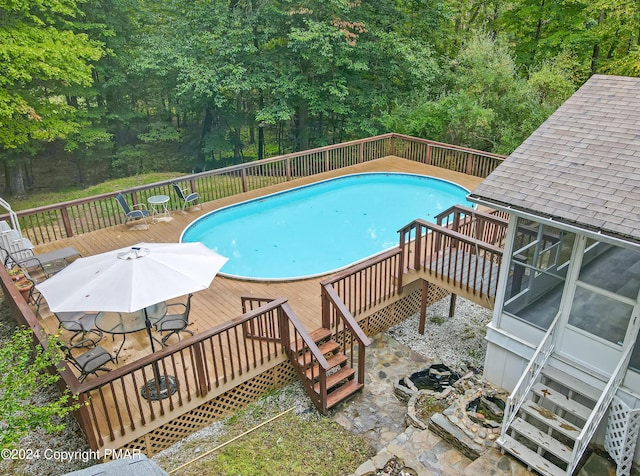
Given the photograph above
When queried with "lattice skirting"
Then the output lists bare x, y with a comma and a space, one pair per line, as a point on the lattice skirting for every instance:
622, 435
217, 409
400, 310
276, 377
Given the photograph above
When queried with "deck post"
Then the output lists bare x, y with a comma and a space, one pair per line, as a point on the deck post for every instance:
423, 306
199, 360
65, 220
452, 304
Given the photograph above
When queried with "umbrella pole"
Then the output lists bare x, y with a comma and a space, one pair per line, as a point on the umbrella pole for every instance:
161, 386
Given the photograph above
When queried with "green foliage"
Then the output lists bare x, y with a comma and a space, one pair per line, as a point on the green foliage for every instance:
485, 104
23, 369
41, 58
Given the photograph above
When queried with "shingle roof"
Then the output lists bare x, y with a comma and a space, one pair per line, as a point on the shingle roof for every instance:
582, 165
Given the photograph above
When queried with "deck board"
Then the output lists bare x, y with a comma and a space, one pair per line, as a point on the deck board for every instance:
221, 302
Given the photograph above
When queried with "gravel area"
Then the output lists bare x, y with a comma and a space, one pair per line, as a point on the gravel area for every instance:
456, 342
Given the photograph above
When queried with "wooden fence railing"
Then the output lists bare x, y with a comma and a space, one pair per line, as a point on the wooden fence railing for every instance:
67, 219
114, 404
458, 260
483, 226
371, 282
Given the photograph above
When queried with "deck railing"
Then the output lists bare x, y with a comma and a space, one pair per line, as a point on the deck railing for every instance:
486, 227
114, 404
371, 282
460, 261
67, 219
600, 409
345, 330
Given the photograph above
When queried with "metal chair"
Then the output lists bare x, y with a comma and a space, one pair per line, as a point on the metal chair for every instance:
176, 322
83, 325
134, 212
188, 198
89, 362
45, 264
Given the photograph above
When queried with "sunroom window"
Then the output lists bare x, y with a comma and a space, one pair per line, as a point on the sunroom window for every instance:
537, 272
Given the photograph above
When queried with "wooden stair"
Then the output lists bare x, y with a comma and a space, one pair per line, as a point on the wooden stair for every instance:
547, 425
340, 377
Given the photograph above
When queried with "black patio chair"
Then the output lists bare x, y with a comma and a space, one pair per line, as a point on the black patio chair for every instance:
176, 322
89, 362
186, 196
135, 212
83, 326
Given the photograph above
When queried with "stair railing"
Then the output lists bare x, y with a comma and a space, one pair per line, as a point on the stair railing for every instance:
599, 410
301, 345
345, 329
528, 379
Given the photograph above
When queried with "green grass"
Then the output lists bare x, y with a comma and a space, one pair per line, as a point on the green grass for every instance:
47, 198
292, 444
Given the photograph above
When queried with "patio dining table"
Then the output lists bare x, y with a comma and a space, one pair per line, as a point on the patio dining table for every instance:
129, 322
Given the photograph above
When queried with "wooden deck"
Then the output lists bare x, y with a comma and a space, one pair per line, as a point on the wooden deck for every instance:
221, 302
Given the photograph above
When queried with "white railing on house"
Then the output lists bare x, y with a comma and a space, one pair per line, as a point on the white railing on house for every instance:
600, 409
528, 379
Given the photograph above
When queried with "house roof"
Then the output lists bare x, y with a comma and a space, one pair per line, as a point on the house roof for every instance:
582, 165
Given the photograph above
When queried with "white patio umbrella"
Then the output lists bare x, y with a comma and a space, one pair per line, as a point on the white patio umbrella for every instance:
132, 278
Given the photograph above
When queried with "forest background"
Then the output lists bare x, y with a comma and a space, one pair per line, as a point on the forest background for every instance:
101, 89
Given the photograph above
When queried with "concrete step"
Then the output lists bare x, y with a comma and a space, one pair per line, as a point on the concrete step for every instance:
532, 459
542, 439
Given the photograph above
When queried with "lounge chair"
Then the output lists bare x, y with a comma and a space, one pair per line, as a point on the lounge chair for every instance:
89, 362
188, 198
13, 241
47, 264
134, 212
83, 326
176, 322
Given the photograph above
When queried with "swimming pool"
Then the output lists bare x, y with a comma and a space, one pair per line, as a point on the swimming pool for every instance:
323, 227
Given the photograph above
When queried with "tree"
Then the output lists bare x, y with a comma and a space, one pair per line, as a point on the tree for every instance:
42, 57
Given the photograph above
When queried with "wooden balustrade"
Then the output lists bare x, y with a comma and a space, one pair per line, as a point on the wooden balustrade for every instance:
458, 260
370, 282
483, 226
63, 220
345, 330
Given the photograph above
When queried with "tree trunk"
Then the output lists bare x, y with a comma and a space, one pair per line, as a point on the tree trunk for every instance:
14, 174
302, 133
204, 131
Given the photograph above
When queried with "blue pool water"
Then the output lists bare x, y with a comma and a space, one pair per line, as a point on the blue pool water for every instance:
320, 228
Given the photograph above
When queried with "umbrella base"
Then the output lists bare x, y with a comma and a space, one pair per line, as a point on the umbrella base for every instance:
165, 387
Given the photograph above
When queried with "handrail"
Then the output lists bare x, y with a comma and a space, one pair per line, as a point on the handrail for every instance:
600, 408
302, 345
346, 331
472, 212
528, 379
94, 383
346, 315
63, 220
370, 282
443, 252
